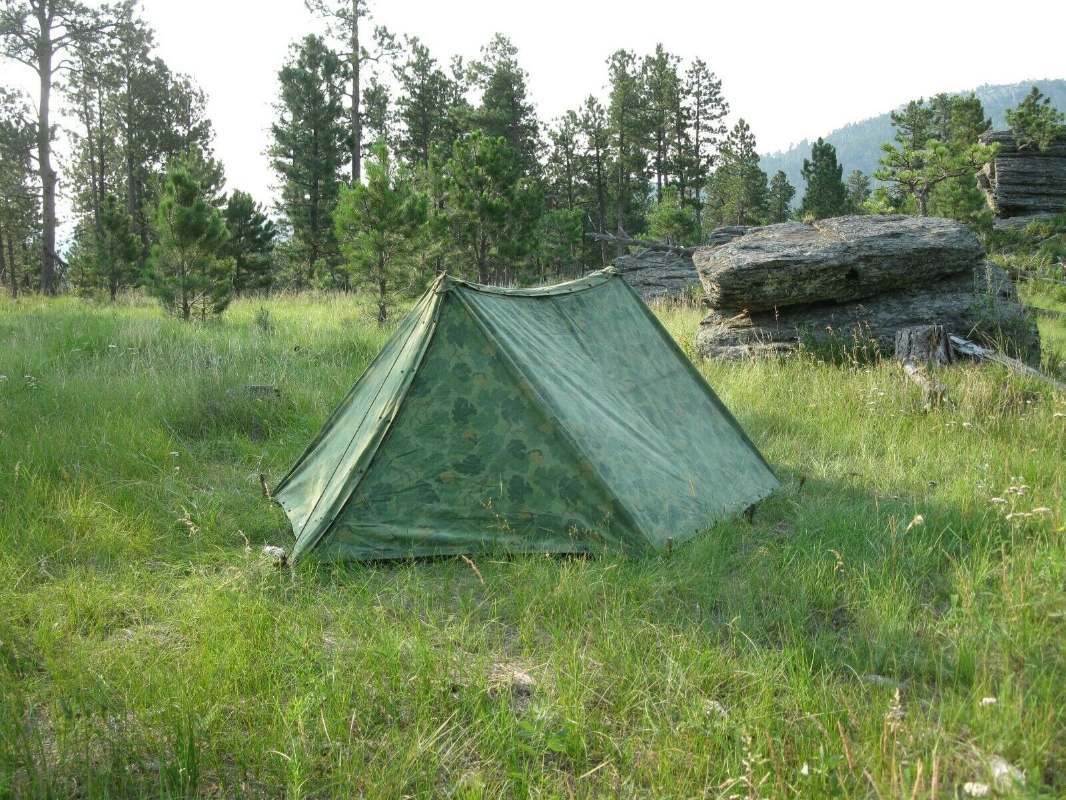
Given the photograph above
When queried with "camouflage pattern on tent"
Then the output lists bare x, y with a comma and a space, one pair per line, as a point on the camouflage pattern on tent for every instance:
557, 419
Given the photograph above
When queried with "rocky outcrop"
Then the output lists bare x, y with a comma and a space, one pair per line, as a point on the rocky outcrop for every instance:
658, 274
1023, 182
665, 272
843, 258
853, 278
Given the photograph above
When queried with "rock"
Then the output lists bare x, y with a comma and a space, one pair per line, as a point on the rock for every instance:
982, 301
1021, 223
659, 274
1024, 182
841, 259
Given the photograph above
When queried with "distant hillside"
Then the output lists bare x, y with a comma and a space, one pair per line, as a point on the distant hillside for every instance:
859, 144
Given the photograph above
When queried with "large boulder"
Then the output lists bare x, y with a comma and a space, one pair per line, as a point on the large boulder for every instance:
981, 303
1024, 182
840, 259
854, 278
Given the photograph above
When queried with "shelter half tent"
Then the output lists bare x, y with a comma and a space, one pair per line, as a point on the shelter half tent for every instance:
557, 419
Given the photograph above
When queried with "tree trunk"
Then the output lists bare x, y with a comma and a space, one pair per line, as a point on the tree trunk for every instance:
383, 314
11, 269
3, 261
357, 122
924, 344
44, 154
923, 204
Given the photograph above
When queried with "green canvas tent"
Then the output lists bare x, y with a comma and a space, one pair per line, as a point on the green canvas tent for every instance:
557, 419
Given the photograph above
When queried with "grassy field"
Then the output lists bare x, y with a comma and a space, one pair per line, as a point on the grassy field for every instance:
891, 624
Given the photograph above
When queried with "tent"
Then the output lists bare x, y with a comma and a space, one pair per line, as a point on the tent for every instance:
556, 419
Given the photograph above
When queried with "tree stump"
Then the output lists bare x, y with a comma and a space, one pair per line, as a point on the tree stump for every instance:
924, 344
920, 347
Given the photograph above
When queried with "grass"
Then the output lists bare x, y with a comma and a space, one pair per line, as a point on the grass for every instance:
889, 624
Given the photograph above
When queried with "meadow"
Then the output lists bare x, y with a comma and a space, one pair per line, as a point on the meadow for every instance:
891, 623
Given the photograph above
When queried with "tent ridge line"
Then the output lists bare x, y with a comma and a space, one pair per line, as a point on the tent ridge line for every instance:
436, 301
564, 432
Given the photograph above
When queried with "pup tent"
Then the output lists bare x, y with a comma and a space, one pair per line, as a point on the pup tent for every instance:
557, 419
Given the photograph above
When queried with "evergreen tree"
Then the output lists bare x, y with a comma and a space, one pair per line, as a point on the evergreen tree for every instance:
826, 194
345, 22
308, 153
669, 221
562, 171
662, 106
858, 190
187, 270
505, 109
737, 190
1034, 122
935, 146
627, 125
118, 248
490, 210
779, 198
595, 168
249, 244
558, 240
379, 226
19, 203
707, 109
430, 106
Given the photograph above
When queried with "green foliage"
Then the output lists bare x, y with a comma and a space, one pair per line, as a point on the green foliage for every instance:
19, 203
117, 249
308, 153
826, 194
858, 191
430, 106
249, 244
671, 222
936, 143
1035, 123
188, 271
779, 198
380, 224
506, 111
489, 210
559, 240
737, 193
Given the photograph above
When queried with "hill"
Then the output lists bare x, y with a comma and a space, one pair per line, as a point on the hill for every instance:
859, 143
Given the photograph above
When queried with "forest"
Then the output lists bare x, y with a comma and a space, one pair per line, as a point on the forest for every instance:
393, 166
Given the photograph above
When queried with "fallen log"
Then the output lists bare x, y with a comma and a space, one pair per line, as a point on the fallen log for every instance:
973, 350
648, 244
933, 391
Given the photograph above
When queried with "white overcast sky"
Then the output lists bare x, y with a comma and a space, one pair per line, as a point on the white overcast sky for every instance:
794, 70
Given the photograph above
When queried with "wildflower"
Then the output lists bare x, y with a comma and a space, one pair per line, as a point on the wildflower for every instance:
999, 501
1041, 510
975, 789
989, 701
914, 523
805, 769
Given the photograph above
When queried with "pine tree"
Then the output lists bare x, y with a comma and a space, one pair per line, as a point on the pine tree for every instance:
249, 244
826, 194
19, 203
669, 221
707, 109
858, 190
935, 145
430, 106
490, 210
661, 87
1034, 122
737, 189
187, 270
595, 168
779, 198
308, 153
117, 248
380, 225
505, 109
627, 125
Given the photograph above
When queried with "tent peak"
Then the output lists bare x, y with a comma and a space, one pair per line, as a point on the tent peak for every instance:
446, 282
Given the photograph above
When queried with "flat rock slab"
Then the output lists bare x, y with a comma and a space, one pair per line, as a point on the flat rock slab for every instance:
840, 259
978, 303
657, 274
1023, 182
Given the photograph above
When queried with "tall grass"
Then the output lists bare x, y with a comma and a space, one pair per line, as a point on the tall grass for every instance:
888, 624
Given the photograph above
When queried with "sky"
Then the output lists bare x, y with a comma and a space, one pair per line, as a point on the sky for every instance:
793, 70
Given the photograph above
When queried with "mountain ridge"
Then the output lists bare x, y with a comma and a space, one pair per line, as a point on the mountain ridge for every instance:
858, 144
